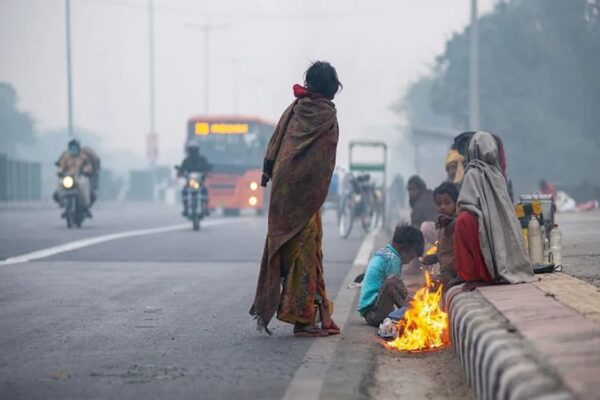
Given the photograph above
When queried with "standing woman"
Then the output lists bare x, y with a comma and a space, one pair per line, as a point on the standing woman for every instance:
300, 159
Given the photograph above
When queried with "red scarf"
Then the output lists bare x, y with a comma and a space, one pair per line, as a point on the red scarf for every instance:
301, 91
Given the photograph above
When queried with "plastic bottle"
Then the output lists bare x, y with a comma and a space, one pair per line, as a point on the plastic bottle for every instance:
556, 245
536, 245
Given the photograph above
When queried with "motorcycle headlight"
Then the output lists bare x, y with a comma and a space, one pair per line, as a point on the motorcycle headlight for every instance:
254, 186
194, 184
68, 182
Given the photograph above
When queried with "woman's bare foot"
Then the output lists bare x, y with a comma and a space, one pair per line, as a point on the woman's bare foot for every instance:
327, 324
330, 327
307, 330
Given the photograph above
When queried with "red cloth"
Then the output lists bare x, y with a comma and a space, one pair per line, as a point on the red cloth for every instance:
468, 259
300, 91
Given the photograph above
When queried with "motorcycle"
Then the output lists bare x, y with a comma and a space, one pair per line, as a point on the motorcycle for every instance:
364, 202
71, 199
195, 197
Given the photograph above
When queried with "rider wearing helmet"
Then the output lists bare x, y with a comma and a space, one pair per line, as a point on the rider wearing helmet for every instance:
193, 162
76, 162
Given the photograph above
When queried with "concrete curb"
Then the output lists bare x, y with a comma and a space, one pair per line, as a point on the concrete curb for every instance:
498, 362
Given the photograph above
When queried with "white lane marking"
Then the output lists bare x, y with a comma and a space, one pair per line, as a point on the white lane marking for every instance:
78, 244
308, 379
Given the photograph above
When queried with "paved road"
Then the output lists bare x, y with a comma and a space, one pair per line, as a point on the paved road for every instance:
156, 316
581, 245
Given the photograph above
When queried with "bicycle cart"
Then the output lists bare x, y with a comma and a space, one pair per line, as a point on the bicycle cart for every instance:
365, 198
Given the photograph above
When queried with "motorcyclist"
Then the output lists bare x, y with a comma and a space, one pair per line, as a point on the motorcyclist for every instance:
193, 162
95, 176
75, 162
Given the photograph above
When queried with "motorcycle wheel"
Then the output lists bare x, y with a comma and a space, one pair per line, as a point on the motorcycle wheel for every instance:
79, 215
345, 219
195, 215
70, 211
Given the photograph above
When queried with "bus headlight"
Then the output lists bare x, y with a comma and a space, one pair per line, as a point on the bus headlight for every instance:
254, 186
253, 201
68, 182
194, 184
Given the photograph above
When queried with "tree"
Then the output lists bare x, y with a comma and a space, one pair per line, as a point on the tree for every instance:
539, 86
416, 106
16, 127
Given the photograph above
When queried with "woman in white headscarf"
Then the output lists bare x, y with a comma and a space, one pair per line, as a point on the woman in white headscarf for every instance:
488, 244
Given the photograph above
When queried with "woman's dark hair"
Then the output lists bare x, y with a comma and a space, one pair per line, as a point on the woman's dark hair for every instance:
321, 77
417, 181
461, 142
409, 237
448, 188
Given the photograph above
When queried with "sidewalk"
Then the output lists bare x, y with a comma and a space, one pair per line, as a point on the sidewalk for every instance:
526, 341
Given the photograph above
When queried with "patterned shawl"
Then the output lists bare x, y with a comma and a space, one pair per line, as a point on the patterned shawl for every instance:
300, 159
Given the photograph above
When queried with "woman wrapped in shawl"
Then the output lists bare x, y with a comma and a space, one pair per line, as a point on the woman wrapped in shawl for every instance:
300, 159
488, 244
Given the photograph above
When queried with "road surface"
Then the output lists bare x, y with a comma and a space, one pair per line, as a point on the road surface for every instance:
156, 316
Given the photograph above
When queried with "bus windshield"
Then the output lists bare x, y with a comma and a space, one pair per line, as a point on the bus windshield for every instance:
234, 144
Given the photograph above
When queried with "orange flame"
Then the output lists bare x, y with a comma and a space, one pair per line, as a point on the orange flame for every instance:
425, 324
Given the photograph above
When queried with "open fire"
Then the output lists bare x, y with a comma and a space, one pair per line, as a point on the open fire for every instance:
424, 325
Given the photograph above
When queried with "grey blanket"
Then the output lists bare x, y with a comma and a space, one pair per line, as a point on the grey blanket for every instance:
484, 193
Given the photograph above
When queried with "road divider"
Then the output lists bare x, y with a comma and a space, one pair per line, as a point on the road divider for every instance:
79, 244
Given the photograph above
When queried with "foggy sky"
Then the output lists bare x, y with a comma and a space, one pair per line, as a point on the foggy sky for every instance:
378, 48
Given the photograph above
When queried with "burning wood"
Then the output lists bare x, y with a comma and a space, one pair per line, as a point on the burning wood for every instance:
424, 325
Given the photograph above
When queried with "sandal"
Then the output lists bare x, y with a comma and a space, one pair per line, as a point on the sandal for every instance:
310, 331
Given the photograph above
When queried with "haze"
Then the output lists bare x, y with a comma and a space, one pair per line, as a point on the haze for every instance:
262, 49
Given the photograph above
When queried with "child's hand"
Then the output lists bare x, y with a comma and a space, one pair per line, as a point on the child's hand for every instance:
429, 259
444, 220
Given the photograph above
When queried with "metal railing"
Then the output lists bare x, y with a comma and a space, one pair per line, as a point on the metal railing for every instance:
20, 180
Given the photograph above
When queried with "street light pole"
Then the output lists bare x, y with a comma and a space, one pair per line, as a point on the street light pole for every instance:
474, 69
69, 72
234, 65
207, 29
151, 65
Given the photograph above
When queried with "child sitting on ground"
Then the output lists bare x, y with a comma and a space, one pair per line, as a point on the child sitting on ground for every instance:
445, 197
382, 289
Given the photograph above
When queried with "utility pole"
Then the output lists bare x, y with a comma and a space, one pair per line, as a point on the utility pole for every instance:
234, 64
152, 137
151, 65
474, 69
69, 72
207, 29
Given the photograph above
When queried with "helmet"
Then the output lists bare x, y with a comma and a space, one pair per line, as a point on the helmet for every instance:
192, 148
74, 146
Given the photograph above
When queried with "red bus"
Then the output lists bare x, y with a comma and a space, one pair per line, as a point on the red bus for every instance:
235, 145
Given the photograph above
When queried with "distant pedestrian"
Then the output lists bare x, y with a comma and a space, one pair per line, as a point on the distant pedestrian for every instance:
423, 215
421, 202
382, 289
488, 242
300, 160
